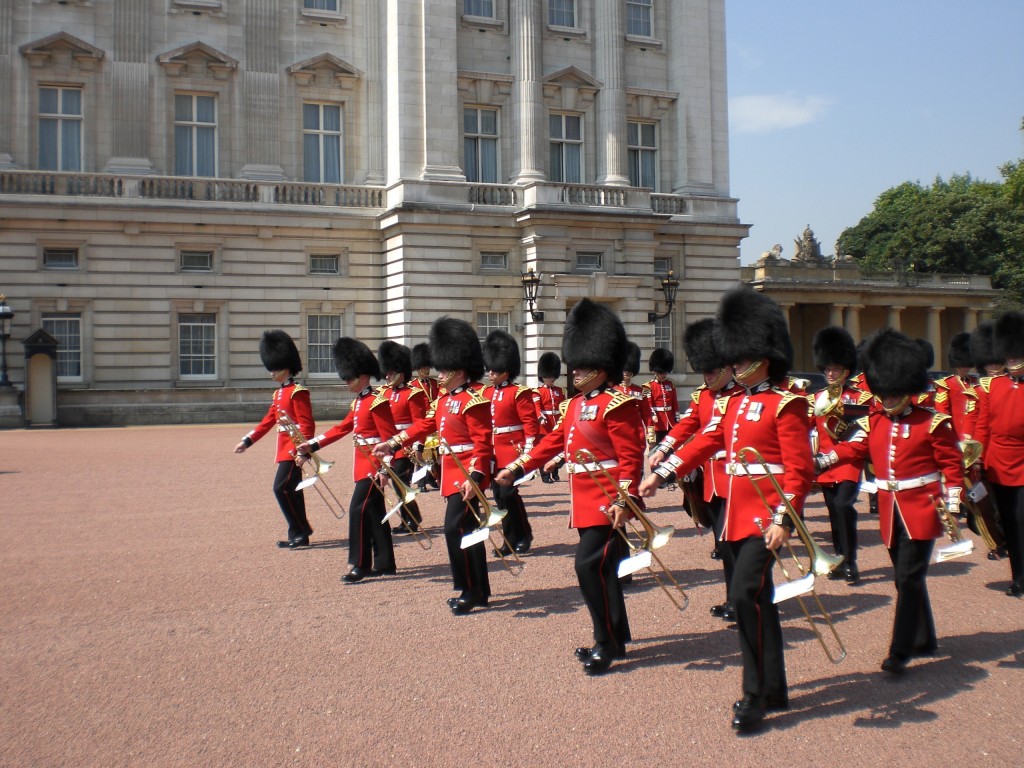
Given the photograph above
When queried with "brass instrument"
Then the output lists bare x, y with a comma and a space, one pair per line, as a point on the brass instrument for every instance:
960, 546
406, 495
426, 463
652, 537
821, 563
832, 411
319, 466
972, 450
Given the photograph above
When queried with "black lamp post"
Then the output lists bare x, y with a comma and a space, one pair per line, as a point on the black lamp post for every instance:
669, 286
531, 285
6, 316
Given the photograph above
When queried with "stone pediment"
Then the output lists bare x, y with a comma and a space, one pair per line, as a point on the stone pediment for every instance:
325, 69
572, 77
42, 52
484, 87
570, 88
197, 58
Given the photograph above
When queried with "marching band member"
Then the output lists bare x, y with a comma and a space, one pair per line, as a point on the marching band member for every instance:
421, 366
915, 453
604, 423
514, 428
775, 422
663, 399
461, 417
371, 551
408, 405
548, 398
926, 399
955, 394
640, 392
281, 357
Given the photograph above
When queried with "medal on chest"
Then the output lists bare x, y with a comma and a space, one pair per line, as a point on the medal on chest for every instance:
754, 411
588, 413
453, 405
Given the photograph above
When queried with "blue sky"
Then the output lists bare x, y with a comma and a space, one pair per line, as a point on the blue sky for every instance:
831, 103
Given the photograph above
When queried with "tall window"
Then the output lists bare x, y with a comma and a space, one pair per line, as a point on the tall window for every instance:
197, 344
638, 17
67, 330
195, 135
321, 143
663, 332
491, 321
480, 144
484, 8
562, 13
60, 129
566, 148
321, 5
321, 333
643, 154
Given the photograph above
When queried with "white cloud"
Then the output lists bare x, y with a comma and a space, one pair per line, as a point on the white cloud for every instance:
774, 112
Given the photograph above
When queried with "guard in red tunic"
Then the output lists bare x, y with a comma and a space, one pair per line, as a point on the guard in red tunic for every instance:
548, 398
461, 417
281, 357
369, 421
640, 392
775, 422
514, 430
421, 366
917, 462
408, 405
604, 423
926, 399
955, 394
663, 399
1000, 430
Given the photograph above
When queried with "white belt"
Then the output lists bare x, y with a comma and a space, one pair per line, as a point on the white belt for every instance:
366, 440
460, 448
902, 485
572, 468
661, 408
732, 468
504, 430
718, 456
548, 413
403, 426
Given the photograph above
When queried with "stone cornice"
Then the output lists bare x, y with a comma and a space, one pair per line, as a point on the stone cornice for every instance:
326, 66
41, 52
181, 60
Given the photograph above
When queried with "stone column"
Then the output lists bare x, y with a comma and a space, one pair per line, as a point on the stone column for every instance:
970, 319
835, 314
6, 80
935, 328
610, 67
527, 102
374, 112
853, 320
893, 319
129, 87
442, 130
261, 87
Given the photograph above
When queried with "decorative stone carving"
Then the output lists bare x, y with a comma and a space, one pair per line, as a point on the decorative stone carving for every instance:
325, 70
196, 57
808, 249
42, 53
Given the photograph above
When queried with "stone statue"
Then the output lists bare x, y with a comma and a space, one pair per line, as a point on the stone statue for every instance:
808, 249
774, 254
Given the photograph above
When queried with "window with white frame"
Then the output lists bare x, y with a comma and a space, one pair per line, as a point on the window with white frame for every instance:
195, 135
562, 13
197, 344
66, 328
321, 5
491, 321
638, 17
663, 333
321, 333
480, 144
662, 265
566, 137
494, 261
60, 128
321, 143
195, 261
589, 261
642, 142
324, 264
481, 8
60, 258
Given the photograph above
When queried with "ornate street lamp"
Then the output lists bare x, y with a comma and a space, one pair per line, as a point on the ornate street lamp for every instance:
669, 286
531, 285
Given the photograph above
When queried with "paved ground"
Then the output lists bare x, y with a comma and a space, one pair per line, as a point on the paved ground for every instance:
148, 620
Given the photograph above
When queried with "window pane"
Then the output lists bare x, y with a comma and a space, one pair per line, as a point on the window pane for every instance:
48, 145
573, 164
573, 127
321, 333
332, 118
469, 150
555, 126
48, 101
206, 109
332, 159
206, 155
647, 134
557, 173
71, 145
488, 161
182, 108
67, 330
469, 124
489, 122
72, 101
311, 117
311, 157
182, 150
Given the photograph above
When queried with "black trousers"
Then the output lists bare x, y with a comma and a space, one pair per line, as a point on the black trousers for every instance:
515, 525
1010, 505
369, 538
291, 501
410, 512
757, 619
717, 509
913, 628
598, 555
469, 566
840, 499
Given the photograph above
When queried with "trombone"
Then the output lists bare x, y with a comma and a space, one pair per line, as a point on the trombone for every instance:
652, 537
319, 466
486, 516
973, 498
958, 546
821, 563
406, 495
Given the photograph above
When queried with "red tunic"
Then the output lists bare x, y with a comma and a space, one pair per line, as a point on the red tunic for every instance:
957, 398
514, 423
369, 420
548, 399
664, 404
850, 397
408, 405
916, 448
643, 395
294, 400
1000, 429
428, 385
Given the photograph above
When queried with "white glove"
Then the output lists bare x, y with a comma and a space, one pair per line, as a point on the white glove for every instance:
953, 499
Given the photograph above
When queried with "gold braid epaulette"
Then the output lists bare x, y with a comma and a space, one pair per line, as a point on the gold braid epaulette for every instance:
937, 419
520, 389
298, 388
619, 398
864, 422
380, 396
787, 398
986, 383
477, 399
695, 395
563, 407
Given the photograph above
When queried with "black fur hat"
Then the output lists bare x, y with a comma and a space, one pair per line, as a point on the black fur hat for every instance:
700, 346
959, 352
1008, 336
833, 345
354, 359
982, 351
501, 354
396, 357
549, 366
895, 364
751, 326
595, 338
421, 356
928, 351
454, 346
632, 364
278, 352
661, 361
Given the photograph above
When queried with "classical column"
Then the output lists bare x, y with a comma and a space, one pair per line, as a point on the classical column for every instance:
129, 84
935, 328
442, 130
527, 100
609, 67
970, 319
375, 90
893, 318
7, 70
261, 88
835, 314
853, 320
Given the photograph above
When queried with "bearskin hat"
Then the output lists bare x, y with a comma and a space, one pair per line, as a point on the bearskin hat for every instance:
421, 356
501, 353
549, 366
278, 352
395, 357
982, 351
632, 364
1008, 336
895, 364
959, 352
700, 346
661, 361
595, 338
751, 326
928, 351
833, 345
454, 346
354, 359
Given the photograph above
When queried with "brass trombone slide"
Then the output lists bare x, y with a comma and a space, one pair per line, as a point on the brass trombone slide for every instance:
318, 466
406, 495
821, 563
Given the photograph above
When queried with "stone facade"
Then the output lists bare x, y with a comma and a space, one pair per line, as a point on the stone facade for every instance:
106, 240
